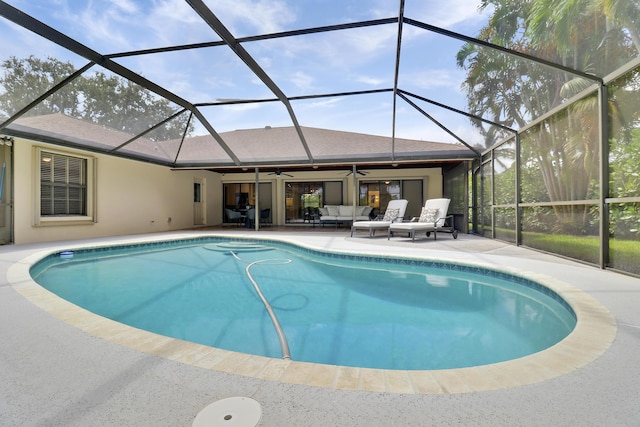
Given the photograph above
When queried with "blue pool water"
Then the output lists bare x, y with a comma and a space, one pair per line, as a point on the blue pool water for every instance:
334, 309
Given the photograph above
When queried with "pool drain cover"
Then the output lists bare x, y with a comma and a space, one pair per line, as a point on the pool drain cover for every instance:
232, 411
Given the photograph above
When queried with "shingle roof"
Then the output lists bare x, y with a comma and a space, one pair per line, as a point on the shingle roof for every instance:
251, 146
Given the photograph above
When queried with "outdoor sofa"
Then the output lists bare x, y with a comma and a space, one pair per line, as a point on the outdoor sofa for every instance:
338, 214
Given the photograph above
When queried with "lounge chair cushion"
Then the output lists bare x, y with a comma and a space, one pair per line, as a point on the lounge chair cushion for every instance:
391, 214
428, 215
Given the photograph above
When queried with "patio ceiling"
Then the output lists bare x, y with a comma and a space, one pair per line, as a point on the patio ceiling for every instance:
249, 83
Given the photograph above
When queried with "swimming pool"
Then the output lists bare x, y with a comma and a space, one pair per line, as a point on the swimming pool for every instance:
388, 313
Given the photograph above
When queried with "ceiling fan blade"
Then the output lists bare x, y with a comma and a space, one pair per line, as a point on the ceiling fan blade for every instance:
278, 172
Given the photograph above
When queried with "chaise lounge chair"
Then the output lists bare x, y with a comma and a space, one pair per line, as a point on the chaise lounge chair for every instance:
433, 218
395, 212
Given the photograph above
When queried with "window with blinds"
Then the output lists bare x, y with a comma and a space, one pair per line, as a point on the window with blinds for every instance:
63, 185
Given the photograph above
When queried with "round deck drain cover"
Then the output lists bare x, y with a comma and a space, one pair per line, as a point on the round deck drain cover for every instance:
232, 412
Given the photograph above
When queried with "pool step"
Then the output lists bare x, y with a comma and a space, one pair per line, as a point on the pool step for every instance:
236, 247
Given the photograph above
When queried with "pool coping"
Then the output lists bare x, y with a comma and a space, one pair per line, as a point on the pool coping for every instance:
594, 332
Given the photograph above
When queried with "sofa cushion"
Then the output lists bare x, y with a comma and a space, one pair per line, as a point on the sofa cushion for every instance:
323, 211
345, 210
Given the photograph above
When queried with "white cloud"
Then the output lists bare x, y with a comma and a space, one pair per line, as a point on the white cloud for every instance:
371, 81
99, 24
445, 14
302, 81
252, 16
125, 6
326, 103
170, 18
433, 78
241, 107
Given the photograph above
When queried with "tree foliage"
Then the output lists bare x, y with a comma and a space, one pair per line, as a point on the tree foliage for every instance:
98, 98
624, 155
586, 35
561, 154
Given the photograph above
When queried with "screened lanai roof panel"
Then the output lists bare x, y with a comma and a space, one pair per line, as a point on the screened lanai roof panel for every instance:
230, 117
199, 147
333, 145
337, 61
202, 150
590, 37
31, 68
266, 144
513, 90
370, 113
162, 151
162, 142
462, 16
429, 69
62, 127
414, 123
482, 81
330, 145
116, 26
446, 125
108, 101
200, 75
155, 145
437, 37
265, 17
96, 137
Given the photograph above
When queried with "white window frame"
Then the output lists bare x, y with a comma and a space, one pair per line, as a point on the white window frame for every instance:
91, 216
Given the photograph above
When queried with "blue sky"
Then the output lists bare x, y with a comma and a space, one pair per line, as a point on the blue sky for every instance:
348, 60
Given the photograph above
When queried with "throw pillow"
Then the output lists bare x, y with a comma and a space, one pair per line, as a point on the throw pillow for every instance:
428, 215
333, 210
391, 215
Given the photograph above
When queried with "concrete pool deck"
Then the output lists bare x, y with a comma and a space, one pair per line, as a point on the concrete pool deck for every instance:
64, 369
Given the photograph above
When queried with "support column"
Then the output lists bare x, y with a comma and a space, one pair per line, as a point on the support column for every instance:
603, 207
518, 193
257, 196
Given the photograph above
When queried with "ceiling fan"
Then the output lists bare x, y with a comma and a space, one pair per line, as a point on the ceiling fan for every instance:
278, 173
363, 173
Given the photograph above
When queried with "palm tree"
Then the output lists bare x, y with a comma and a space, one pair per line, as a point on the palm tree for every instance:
513, 90
626, 13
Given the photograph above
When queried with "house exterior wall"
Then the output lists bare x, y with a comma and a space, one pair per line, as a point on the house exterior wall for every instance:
432, 183
131, 197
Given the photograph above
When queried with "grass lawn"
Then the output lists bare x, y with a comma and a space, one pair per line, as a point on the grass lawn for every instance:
623, 254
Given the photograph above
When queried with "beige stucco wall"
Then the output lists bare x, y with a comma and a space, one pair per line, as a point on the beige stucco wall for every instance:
132, 197
135, 197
